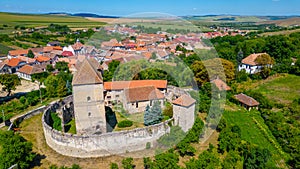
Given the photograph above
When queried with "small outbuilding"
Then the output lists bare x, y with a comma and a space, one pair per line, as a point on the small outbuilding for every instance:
247, 101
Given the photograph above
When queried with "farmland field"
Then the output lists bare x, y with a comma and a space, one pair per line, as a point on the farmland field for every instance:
283, 89
31, 20
256, 132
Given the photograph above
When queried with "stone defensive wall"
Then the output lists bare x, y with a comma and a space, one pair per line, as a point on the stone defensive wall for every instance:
106, 144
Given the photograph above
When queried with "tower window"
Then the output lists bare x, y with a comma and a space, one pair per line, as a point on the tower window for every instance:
88, 98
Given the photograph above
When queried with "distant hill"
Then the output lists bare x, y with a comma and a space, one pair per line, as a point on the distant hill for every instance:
88, 15
291, 21
91, 15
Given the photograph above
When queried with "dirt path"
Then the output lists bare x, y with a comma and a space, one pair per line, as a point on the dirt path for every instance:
26, 86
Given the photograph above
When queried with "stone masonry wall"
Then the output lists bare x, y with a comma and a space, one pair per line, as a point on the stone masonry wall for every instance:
106, 144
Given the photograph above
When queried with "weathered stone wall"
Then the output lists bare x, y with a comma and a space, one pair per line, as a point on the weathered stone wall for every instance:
89, 108
105, 144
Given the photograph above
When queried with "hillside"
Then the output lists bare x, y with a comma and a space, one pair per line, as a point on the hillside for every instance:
284, 22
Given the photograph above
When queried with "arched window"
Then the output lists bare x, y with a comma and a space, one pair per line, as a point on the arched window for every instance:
89, 114
88, 98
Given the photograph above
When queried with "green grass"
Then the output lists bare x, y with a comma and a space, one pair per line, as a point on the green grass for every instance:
72, 127
254, 130
4, 50
284, 89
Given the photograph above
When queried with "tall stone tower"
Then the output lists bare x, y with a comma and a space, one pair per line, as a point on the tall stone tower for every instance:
88, 98
184, 112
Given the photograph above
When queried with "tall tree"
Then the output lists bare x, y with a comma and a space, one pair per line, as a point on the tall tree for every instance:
15, 150
30, 54
9, 82
153, 115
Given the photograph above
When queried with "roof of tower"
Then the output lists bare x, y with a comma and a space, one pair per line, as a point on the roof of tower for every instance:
87, 74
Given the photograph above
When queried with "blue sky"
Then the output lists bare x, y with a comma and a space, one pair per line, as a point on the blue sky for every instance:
174, 7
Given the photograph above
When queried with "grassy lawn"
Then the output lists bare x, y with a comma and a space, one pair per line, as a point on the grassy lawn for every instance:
283, 89
256, 132
137, 119
4, 50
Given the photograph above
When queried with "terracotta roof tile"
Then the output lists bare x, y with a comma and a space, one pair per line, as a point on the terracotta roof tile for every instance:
41, 58
142, 94
250, 60
121, 85
27, 69
184, 100
48, 48
18, 52
67, 53
13, 62
221, 85
249, 101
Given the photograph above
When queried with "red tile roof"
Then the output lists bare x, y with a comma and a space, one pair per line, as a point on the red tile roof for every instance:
27, 69
18, 52
121, 85
142, 94
41, 58
67, 53
250, 60
13, 62
247, 100
184, 100
221, 85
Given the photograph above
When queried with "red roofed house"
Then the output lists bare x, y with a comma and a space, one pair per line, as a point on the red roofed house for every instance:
14, 64
247, 101
114, 91
26, 71
220, 84
67, 53
250, 65
136, 99
184, 112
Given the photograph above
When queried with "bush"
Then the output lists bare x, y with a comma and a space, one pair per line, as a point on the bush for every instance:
125, 123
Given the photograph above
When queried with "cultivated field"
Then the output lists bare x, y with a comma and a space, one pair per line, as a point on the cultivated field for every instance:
254, 130
283, 89
29, 20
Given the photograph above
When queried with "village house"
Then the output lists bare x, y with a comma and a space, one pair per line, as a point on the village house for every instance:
247, 101
12, 65
27, 71
136, 99
15, 53
114, 91
250, 65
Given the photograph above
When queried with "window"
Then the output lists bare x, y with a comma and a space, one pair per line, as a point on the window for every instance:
150, 102
136, 104
117, 95
88, 98
89, 114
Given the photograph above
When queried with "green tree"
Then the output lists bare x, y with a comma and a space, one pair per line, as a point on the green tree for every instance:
232, 160
153, 115
15, 150
61, 88
127, 163
50, 68
9, 82
30, 54
51, 84
166, 160
62, 66
114, 166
